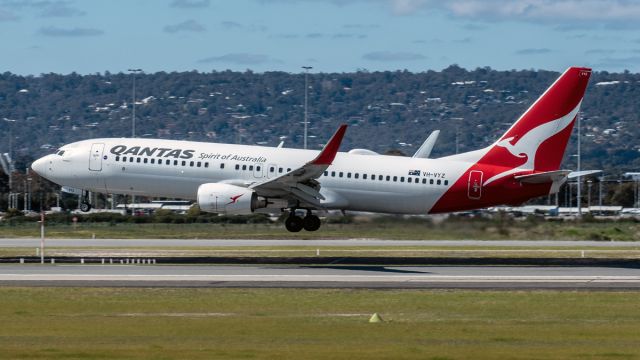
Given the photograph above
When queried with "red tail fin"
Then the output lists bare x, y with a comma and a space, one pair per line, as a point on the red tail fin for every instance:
538, 139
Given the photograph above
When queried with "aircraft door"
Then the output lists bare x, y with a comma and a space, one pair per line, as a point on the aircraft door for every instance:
474, 185
272, 171
95, 157
257, 170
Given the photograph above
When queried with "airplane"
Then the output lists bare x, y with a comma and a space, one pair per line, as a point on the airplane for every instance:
523, 163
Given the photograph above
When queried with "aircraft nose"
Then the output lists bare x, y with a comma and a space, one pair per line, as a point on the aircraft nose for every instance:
40, 166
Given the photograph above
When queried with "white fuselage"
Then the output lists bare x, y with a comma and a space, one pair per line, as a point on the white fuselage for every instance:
175, 169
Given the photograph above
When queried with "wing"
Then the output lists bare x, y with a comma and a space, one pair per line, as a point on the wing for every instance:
300, 184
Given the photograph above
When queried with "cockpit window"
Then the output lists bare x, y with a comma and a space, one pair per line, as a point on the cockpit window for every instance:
61, 152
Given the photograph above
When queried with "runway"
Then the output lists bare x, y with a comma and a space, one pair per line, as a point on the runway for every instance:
396, 277
195, 243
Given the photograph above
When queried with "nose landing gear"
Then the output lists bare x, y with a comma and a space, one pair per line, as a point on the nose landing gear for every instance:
296, 223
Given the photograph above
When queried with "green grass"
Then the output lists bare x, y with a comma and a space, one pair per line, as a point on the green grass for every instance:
400, 230
98, 323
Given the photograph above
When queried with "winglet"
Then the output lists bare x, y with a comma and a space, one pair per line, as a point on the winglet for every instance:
330, 150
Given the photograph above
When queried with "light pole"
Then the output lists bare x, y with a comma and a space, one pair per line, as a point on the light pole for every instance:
133, 115
10, 166
579, 178
306, 101
239, 126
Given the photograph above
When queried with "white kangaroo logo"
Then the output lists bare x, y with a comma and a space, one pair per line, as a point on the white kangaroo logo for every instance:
527, 145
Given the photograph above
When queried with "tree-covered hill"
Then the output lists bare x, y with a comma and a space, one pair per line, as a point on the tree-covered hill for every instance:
386, 110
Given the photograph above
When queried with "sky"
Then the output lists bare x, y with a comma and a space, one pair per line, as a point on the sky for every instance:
91, 36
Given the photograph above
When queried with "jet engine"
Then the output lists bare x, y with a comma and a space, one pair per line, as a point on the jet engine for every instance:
228, 199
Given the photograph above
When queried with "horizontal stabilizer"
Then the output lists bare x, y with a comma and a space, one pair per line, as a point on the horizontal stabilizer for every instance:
575, 174
543, 177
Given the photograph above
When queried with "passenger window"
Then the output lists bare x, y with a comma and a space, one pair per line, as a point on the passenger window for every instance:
153, 161
364, 176
408, 179
258, 168
184, 163
341, 174
244, 167
439, 181
198, 164
380, 177
430, 181
348, 175
356, 175
206, 164
395, 178
333, 174
237, 167
250, 167
424, 181
117, 158
168, 162
326, 173
191, 163
272, 169
145, 160
175, 162
446, 182
288, 169
124, 159
160, 161
221, 165
388, 178
280, 170
402, 179
138, 160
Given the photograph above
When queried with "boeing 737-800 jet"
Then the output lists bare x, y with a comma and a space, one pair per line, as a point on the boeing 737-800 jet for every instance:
240, 179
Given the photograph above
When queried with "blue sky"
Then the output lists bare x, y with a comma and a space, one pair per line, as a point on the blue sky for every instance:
89, 36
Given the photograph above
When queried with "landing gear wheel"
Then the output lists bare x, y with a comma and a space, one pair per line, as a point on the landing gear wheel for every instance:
85, 207
294, 223
311, 223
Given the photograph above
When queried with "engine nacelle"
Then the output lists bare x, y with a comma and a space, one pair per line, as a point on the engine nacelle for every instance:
228, 199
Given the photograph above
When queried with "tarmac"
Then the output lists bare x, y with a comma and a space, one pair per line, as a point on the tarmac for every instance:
327, 276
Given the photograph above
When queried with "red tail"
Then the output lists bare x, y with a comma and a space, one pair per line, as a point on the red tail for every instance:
538, 139
535, 143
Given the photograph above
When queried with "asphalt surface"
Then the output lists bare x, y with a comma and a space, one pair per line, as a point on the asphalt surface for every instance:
400, 277
141, 243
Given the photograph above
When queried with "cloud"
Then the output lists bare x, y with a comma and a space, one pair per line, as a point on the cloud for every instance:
240, 59
7, 16
393, 56
60, 9
619, 63
72, 32
361, 26
190, 4
547, 11
185, 26
533, 51
231, 25
285, 36
599, 51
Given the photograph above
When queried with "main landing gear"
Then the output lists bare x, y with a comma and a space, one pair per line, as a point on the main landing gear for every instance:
85, 206
295, 223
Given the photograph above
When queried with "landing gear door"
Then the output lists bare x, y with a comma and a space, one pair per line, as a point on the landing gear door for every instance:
474, 185
95, 157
